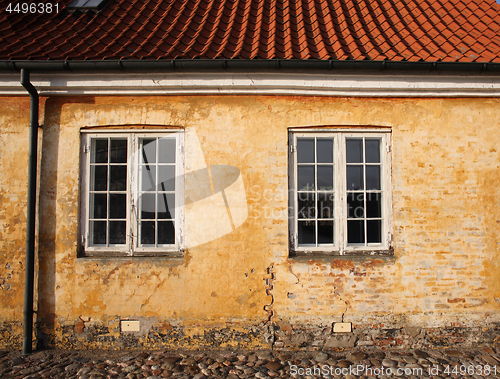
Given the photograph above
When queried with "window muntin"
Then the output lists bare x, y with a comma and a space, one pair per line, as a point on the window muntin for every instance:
340, 194
133, 193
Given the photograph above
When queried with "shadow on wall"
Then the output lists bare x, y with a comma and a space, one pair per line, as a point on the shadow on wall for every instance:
46, 317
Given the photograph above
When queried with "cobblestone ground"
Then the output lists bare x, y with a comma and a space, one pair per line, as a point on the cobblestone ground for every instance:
444, 363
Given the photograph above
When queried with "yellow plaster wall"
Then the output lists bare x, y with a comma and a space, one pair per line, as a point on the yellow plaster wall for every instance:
446, 192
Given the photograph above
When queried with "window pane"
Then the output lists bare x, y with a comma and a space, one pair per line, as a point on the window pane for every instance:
166, 150
355, 205
374, 231
117, 206
307, 233
148, 178
148, 150
354, 150
147, 206
99, 178
118, 151
305, 150
354, 177
117, 178
373, 205
147, 233
166, 178
307, 205
355, 232
98, 229
325, 150
372, 150
99, 203
326, 205
325, 232
117, 235
166, 233
325, 178
165, 206
372, 177
305, 177
100, 151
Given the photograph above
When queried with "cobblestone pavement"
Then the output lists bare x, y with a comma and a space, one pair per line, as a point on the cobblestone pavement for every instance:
442, 363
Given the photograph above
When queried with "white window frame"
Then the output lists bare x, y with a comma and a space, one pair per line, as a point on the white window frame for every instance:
340, 245
131, 247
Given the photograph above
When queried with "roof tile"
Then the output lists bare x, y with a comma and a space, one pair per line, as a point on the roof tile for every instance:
448, 30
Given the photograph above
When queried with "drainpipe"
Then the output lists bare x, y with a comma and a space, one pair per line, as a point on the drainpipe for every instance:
30, 222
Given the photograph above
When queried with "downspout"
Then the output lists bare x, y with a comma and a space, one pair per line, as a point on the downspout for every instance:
31, 207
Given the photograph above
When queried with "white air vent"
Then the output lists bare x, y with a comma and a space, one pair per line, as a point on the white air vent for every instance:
130, 325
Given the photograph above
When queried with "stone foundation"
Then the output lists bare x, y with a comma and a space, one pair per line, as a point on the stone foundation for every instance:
236, 336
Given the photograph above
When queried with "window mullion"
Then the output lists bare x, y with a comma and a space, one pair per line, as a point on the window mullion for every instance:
132, 194
365, 222
340, 187
156, 183
296, 193
315, 193
107, 192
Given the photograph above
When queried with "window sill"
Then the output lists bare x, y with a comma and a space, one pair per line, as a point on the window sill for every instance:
109, 261
125, 255
356, 258
369, 253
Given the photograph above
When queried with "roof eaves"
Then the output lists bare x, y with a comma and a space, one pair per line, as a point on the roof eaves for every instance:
249, 65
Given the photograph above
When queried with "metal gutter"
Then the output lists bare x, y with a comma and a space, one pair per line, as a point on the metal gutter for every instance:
30, 222
245, 64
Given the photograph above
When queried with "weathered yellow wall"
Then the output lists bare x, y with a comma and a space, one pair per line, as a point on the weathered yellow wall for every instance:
446, 190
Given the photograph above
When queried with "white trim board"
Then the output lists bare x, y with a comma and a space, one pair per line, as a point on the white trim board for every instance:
271, 83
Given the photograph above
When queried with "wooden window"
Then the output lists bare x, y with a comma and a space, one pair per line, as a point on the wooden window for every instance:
132, 196
340, 198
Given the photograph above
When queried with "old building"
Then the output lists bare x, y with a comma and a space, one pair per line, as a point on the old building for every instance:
250, 173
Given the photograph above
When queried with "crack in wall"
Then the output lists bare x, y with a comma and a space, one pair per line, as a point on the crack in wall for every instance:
146, 302
345, 302
295, 275
269, 336
269, 288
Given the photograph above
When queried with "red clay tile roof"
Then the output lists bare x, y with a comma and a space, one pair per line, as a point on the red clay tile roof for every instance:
395, 30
